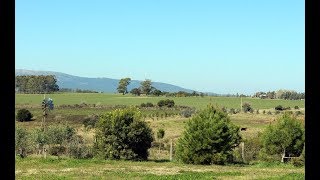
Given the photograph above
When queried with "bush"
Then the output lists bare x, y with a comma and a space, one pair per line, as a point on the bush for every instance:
252, 147
187, 112
77, 148
297, 113
246, 107
232, 111
168, 103
21, 141
296, 107
269, 113
286, 137
279, 108
264, 111
209, 138
121, 134
90, 122
24, 115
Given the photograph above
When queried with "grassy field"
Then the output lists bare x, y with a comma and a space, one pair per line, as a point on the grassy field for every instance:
112, 99
157, 167
64, 168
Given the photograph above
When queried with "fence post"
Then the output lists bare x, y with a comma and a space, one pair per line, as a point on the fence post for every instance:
171, 150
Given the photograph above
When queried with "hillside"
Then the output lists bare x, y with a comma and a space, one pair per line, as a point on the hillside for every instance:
96, 84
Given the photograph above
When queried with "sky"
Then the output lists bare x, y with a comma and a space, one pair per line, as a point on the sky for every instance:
226, 46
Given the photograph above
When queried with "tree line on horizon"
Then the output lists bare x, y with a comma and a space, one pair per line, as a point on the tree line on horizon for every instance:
33, 84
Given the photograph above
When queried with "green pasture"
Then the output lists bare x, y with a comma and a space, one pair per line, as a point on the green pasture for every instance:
119, 99
66, 168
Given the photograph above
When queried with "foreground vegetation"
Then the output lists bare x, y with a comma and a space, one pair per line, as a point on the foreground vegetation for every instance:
81, 122
66, 168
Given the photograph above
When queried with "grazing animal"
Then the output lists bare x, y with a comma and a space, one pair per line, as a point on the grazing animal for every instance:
243, 129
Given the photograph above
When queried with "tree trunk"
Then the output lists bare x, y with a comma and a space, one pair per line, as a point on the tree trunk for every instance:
283, 155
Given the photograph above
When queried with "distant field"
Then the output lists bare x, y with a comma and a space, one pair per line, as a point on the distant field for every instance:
118, 99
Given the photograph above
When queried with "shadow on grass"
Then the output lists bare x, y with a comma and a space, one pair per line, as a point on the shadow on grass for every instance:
159, 160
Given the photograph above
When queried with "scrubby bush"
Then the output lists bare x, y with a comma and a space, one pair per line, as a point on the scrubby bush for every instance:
285, 138
296, 107
24, 115
209, 138
269, 113
232, 111
246, 107
187, 112
167, 103
90, 122
252, 147
121, 134
22, 142
297, 113
279, 108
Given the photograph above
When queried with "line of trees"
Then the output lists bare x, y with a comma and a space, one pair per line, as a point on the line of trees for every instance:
147, 89
36, 84
77, 90
280, 94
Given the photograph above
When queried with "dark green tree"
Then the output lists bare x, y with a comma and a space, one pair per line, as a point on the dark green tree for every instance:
135, 91
209, 138
123, 84
285, 138
146, 86
121, 134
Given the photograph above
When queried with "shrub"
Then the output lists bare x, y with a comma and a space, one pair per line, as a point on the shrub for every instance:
232, 111
297, 113
160, 133
296, 107
257, 111
187, 112
121, 134
224, 109
149, 104
269, 113
286, 137
90, 122
24, 115
277, 112
252, 147
279, 108
167, 103
208, 138
246, 107
21, 141
264, 111
77, 149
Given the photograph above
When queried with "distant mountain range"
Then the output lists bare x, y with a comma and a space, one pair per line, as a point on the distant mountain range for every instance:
96, 84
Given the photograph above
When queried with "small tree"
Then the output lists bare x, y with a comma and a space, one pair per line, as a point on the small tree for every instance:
24, 115
121, 134
123, 84
286, 137
146, 86
160, 135
208, 138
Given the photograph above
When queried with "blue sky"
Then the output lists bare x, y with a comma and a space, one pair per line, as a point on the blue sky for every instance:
227, 46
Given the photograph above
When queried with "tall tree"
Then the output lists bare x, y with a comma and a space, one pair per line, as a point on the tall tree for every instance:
146, 86
285, 137
123, 84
